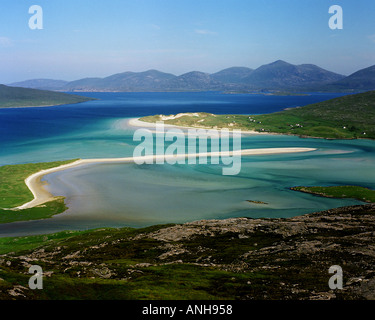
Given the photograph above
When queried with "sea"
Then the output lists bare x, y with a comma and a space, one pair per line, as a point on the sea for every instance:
126, 194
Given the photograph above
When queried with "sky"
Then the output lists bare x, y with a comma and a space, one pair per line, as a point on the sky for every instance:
97, 38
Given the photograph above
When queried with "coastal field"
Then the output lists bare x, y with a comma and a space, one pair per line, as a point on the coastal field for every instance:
348, 117
14, 192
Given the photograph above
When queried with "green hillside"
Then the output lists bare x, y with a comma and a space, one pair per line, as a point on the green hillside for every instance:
11, 97
234, 259
363, 79
348, 117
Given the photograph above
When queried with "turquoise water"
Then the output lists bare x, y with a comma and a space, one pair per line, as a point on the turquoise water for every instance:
115, 195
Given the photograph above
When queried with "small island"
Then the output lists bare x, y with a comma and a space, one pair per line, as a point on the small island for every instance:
256, 202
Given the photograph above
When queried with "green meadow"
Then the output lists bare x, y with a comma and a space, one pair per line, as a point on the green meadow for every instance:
351, 192
347, 117
14, 192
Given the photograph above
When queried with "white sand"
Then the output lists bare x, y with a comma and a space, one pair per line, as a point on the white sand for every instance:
135, 122
163, 118
41, 195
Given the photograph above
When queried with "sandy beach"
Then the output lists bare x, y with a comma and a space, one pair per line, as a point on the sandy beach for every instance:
135, 122
41, 195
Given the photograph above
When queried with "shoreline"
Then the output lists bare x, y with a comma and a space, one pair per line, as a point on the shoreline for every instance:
41, 195
47, 105
135, 122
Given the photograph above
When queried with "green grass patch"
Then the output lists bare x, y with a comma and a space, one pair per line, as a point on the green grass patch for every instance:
14, 192
43, 211
71, 239
352, 192
165, 282
348, 117
20, 244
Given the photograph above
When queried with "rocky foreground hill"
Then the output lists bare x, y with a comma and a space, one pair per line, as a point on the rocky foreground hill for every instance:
237, 258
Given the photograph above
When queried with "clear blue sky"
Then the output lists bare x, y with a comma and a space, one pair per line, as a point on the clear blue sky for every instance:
86, 38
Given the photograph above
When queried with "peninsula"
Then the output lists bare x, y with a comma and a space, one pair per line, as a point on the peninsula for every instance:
14, 97
347, 117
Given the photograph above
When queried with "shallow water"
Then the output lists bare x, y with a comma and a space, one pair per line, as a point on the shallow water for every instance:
115, 195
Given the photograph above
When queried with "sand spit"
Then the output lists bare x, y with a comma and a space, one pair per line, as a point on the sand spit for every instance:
41, 195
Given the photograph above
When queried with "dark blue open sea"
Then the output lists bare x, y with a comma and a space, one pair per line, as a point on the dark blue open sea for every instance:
116, 195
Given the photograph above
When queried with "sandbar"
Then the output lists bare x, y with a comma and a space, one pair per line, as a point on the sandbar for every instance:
41, 195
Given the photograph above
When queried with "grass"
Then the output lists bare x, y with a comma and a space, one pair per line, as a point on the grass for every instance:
43, 211
20, 244
128, 263
152, 282
348, 117
14, 192
11, 97
166, 282
352, 192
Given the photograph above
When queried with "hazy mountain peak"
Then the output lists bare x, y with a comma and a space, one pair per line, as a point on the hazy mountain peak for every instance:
281, 74
47, 84
280, 62
232, 75
278, 75
363, 79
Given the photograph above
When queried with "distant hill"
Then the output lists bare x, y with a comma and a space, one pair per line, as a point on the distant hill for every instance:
44, 84
126, 81
361, 80
194, 80
276, 76
281, 74
132, 80
86, 84
151, 80
24, 97
232, 75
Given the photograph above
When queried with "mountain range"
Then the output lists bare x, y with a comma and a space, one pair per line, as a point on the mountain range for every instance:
279, 75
